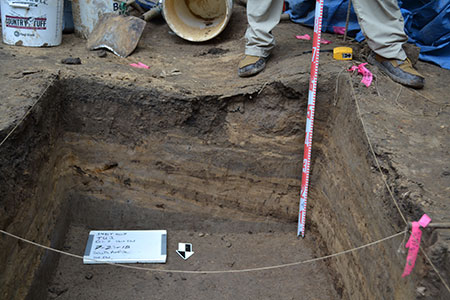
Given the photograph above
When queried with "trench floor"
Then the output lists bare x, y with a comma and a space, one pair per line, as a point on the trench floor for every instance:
216, 247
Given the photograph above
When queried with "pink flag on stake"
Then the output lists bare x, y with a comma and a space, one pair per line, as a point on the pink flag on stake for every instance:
413, 243
325, 42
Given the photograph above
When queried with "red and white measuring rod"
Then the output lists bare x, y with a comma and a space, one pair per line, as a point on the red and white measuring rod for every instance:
310, 117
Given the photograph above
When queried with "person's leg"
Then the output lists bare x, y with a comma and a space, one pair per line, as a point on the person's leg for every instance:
262, 16
383, 26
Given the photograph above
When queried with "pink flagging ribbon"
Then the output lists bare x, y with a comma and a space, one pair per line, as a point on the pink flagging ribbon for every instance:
413, 243
303, 37
306, 37
339, 30
367, 75
140, 65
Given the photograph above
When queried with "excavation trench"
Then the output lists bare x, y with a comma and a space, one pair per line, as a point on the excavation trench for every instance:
222, 173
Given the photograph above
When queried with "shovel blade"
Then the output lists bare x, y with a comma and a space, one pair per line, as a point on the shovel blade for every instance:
119, 34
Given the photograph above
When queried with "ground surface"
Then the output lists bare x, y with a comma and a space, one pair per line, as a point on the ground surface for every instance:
408, 129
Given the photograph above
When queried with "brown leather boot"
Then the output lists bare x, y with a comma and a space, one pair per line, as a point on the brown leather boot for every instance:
400, 71
251, 65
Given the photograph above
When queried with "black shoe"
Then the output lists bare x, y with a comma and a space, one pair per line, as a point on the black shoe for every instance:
251, 65
400, 71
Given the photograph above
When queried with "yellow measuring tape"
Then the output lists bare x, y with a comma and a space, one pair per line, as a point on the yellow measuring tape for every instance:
343, 53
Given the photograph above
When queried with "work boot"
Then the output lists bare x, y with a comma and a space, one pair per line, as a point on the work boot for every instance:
251, 65
400, 71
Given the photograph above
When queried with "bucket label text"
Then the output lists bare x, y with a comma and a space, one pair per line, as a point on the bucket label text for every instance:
26, 22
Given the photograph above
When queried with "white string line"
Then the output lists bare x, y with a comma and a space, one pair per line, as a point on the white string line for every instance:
209, 272
387, 185
28, 112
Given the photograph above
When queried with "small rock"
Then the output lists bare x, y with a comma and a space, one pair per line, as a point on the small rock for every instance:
88, 276
228, 244
421, 290
201, 234
71, 61
101, 53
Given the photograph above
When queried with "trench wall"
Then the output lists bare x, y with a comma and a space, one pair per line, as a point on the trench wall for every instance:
350, 207
32, 183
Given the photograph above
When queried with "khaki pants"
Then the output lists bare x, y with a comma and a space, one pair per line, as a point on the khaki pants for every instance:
381, 22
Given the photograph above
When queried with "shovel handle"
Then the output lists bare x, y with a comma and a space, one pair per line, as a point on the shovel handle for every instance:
152, 13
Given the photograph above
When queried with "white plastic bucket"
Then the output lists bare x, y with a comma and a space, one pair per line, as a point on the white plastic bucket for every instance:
33, 23
197, 20
86, 13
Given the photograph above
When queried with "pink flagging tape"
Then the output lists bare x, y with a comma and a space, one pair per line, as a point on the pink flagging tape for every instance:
413, 244
140, 65
367, 75
303, 37
310, 117
339, 30
307, 38
424, 221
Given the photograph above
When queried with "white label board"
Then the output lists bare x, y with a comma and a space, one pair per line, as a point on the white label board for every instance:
126, 246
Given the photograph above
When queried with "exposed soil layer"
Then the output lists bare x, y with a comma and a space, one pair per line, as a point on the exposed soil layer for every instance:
189, 147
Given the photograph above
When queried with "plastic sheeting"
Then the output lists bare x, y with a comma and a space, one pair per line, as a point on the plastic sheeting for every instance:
427, 23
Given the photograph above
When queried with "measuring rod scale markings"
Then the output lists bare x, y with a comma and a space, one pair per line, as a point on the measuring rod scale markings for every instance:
310, 117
